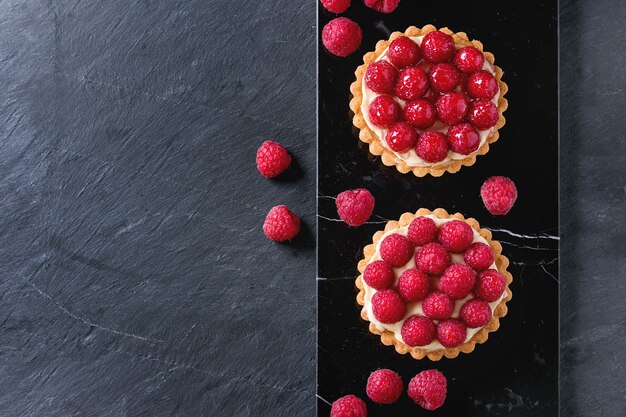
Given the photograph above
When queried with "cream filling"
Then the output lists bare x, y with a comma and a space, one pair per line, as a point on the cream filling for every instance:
410, 157
416, 307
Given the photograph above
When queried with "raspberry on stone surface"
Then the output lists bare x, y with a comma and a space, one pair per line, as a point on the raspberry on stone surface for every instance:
355, 206
451, 333
457, 281
281, 224
482, 114
421, 113
388, 307
481, 84
381, 77
412, 83
341, 36
478, 256
475, 313
417, 331
384, 386
437, 306
463, 138
432, 146
403, 52
378, 275
469, 59
438, 46
433, 258
444, 77
428, 389
396, 250
348, 406
413, 285
272, 159
336, 6
498, 194
452, 107
455, 235
384, 111
382, 6
422, 230
490, 285
401, 137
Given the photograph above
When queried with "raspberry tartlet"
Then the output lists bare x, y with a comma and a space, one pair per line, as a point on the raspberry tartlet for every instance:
439, 83
440, 297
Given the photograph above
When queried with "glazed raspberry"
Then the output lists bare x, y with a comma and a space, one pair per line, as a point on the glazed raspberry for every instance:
421, 231
478, 256
401, 137
417, 331
378, 275
348, 406
413, 285
412, 83
336, 6
396, 250
272, 159
433, 258
444, 77
455, 235
437, 306
457, 281
452, 107
451, 333
432, 146
384, 111
469, 59
498, 194
281, 224
437, 46
383, 6
380, 77
482, 114
388, 307
384, 386
490, 285
463, 138
341, 36
482, 84
475, 313
355, 206
403, 52
428, 389
421, 113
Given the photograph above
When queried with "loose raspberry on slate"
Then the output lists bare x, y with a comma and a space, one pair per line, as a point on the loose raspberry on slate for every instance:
403, 52
422, 230
457, 281
355, 206
378, 275
341, 36
499, 195
421, 113
272, 159
381, 77
452, 107
401, 137
482, 84
478, 256
348, 406
438, 46
417, 331
384, 386
444, 77
383, 6
437, 306
281, 224
336, 6
490, 285
475, 313
469, 59
482, 114
396, 250
413, 285
412, 83
432, 146
384, 111
433, 258
388, 307
455, 235
463, 138
428, 389
451, 333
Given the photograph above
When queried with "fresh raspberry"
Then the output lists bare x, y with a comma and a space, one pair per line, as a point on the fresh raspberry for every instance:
463, 138
437, 306
438, 46
432, 146
380, 77
336, 6
478, 256
451, 107
413, 285
396, 250
451, 333
428, 389
403, 52
401, 137
388, 307
498, 194
421, 113
475, 313
418, 331
384, 111
444, 77
433, 258
412, 83
469, 59
482, 114
348, 406
482, 84
281, 224
355, 206
378, 275
341, 36
490, 285
272, 159
457, 281
455, 235
383, 6
421, 231
384, 386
